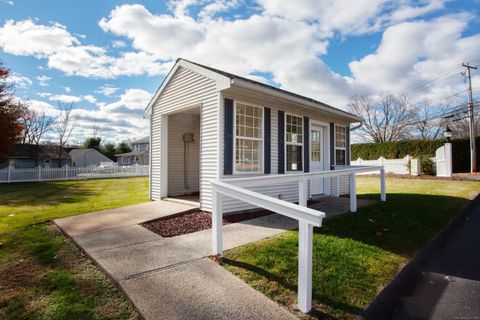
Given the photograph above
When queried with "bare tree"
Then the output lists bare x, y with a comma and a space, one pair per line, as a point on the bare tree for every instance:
430, 120
66, 122
385, 118
35, 126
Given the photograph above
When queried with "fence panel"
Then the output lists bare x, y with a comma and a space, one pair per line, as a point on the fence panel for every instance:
397, 166
10, 174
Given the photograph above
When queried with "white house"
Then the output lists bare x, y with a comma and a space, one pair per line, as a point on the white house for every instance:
207, 124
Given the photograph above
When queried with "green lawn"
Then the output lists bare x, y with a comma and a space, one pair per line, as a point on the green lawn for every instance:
354, 255
43, 275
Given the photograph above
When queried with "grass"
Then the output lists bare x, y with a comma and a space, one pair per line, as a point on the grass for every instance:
354, 256
22, 204
43, 275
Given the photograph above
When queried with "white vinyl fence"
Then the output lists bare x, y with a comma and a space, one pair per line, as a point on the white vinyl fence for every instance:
397, 166
10, 174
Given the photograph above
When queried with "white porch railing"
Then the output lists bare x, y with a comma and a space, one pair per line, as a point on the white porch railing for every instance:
307, 218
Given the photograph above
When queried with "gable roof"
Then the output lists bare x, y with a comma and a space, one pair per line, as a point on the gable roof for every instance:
31, 151
142, 140
76, 153
230, 79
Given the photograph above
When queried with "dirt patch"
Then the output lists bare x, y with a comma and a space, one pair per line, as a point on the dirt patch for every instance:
196, 221
21, 273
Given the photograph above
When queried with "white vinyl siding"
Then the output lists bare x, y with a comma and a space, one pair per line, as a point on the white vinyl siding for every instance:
186, 89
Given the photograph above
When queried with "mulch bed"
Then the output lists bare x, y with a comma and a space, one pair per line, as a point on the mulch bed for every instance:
196, 221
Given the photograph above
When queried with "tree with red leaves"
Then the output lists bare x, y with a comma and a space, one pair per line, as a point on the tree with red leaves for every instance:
11, 113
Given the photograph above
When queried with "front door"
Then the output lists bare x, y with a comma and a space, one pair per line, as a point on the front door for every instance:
317, 158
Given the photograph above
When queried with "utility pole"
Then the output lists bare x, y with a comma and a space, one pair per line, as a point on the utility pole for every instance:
473, 148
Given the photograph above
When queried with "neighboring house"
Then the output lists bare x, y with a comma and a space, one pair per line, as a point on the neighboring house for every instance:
139, 154
25, 156
209, 124
87, 157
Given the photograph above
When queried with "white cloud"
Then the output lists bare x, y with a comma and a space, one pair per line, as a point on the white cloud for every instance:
42, 107
44, 94
65, 98
411, 53
118, 44
116, 121
287, 40
43, 80
65, 52
67, 89
20, 81
9, 2
107, 90
27, 38
90, 98
284, 39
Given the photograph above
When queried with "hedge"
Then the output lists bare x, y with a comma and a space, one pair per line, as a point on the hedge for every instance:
417, 148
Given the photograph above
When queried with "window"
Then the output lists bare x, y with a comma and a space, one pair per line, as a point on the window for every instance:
248, 138
294, 142
125, 160
340, 145
315, 144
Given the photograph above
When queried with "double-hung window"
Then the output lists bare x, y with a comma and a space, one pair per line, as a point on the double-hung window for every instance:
248, 138
340, 145
294, 142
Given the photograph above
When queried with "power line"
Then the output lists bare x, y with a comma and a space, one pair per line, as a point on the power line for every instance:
426, 83
418, 90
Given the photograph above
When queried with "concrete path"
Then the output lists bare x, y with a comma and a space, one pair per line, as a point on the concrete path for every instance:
171, 278
443, 280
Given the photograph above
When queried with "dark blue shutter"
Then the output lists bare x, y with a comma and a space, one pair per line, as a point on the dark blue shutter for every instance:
228, 138
306, 144
347, 141
281, 142
332, 146
267, 140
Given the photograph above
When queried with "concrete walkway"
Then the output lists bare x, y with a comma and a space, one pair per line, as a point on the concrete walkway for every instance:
171, 278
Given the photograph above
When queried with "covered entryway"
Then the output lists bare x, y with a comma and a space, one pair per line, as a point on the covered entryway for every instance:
318, 157
184, 155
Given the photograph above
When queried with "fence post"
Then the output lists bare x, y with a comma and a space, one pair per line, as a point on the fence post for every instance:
9, 171
39, 173
448, 159
353, 193
383, 193
217, 219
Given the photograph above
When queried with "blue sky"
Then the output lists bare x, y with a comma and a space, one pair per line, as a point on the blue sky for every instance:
110, 56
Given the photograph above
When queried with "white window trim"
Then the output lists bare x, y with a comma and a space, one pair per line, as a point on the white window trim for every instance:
293, 144
339, 148
262, 140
